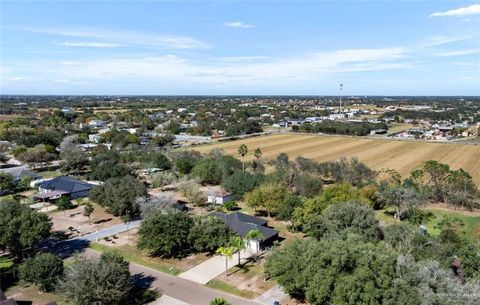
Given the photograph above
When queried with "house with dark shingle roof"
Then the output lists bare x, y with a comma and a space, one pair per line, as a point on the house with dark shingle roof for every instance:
64, 185
18, 172
242, 223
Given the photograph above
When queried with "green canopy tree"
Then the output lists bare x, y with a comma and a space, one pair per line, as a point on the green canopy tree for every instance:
166, 234
21, 227
119, 195
103, 280
208, 234
43, 270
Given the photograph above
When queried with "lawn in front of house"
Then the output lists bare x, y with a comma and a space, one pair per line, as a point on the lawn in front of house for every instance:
228, 288
32, 294
169, 266
248, 280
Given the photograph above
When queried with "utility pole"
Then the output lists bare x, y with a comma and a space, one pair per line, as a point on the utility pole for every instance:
341, 89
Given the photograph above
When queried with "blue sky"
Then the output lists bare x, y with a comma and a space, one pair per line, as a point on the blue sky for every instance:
232, 47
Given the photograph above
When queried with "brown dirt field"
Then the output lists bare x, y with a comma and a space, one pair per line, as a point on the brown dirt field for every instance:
249, 277
99, 219
9, 117
403, 156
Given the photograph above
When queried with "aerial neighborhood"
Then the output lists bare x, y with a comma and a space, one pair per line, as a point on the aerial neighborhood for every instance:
239, 152
232, 199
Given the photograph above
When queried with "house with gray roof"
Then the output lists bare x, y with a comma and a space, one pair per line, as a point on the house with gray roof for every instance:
19, 172
64, 185
242, 223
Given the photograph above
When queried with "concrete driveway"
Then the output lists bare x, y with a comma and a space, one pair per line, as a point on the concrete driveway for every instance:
213, 267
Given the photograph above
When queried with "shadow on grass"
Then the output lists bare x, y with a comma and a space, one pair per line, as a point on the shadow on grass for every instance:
141, 293
63, 248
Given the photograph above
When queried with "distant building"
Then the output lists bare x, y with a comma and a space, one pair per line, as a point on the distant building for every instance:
67, 110
378, 131
94, 138
219, 198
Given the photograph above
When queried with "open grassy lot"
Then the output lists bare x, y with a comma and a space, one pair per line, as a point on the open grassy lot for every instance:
9, 117
470, 219
32, 295
132, 254
403, 156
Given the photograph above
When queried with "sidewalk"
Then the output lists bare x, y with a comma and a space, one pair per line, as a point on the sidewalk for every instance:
273, 294
213, 267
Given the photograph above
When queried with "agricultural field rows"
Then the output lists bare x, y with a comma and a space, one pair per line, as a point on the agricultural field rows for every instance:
403, 156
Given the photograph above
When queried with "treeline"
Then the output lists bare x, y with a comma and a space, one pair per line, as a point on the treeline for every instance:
448, 115
348, 257
343, 128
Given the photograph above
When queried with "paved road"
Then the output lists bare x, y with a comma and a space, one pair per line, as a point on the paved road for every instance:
116, 229
181, 289
178, 288
270, 296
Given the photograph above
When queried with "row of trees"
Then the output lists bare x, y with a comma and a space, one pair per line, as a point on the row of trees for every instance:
175, 234
350, 259
103, 280
343, 128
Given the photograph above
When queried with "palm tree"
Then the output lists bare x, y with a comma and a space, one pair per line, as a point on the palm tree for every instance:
239, 244
228, 253
257, 153
255, 235
243, 151
219, 301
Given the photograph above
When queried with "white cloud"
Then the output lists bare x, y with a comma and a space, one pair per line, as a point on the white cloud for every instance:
238, 24
174, 69
17, 79
125, 37
441, 40
458, 53
242, 58
473, 9
89, 44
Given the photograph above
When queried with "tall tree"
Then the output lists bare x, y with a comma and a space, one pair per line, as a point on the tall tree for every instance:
243, 151
255, 235
21, 227
119, 195
43, 270
239, 244
166, 234
88, 210
103, 280
228, 253
208, 234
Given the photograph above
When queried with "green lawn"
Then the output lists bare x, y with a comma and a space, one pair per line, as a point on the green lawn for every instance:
49, 173
225, 287
472, 223
31, 293
6, 262
136, 256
